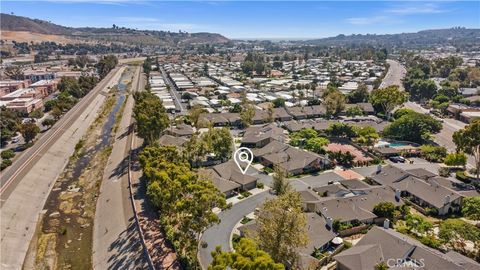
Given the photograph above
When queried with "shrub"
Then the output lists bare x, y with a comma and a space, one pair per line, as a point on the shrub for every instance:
245, 194
460, 175
7, 154
5, 164
245, 220
267, 169
433, 153
260, 185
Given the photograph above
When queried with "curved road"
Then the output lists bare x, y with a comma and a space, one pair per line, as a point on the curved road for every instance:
219, 235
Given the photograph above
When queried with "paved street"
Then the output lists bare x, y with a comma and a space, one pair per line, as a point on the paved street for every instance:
444, 137
395, 74
27, 183
219, 235
174, 92
116, 242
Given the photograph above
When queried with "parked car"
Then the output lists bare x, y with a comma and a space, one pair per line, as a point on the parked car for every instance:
397, 159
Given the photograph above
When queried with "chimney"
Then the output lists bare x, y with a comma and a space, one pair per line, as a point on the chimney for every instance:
329, 222
397, 194
379, 168
386, 224
447, 199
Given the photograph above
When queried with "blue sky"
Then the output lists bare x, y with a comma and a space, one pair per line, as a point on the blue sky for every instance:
256, 19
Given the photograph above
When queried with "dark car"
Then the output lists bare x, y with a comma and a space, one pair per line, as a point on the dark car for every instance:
397, 159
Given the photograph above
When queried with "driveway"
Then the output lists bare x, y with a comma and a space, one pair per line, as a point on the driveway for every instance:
219, 235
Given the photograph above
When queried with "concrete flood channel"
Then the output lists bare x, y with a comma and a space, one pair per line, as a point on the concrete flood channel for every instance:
64, 235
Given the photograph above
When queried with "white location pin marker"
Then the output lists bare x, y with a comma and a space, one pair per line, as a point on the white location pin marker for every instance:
243, 156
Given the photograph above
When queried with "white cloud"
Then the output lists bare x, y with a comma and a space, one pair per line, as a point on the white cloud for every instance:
372, 20
416, 8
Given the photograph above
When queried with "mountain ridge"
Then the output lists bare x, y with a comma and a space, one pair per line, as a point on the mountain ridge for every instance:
13, 23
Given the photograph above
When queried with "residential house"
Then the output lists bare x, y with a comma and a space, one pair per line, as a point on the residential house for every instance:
230, 171
416, 186
398, 251
259, 136
292, 160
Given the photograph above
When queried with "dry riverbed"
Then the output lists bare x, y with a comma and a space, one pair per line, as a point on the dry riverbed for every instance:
63, 237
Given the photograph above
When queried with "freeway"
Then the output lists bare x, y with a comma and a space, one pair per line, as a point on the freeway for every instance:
27, 184
116, 241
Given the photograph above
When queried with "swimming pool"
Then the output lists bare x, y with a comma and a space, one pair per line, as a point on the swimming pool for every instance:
395, 144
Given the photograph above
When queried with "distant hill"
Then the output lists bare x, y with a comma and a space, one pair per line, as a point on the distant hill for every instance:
452, 36
13, 24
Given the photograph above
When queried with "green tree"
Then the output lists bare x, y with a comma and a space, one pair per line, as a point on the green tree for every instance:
56, 113
471, 208
49, 122
247, 114
455, 159
384, 209
194, 115
7, 154
433, 153
467, 140
150, 116
366, 135
354, 111
299, 138
422, 89
401, 112
48, 105
9, 123
279, 102
341, 130
29, 131
418, 224
358, 95
316, 144
453, 231
247, 255
106, 64
334, 103
388, 98
196, 149
281, 228
185, 200
280, 182
222, 141
415, 127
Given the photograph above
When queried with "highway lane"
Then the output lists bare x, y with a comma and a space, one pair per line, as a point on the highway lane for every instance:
13, 174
